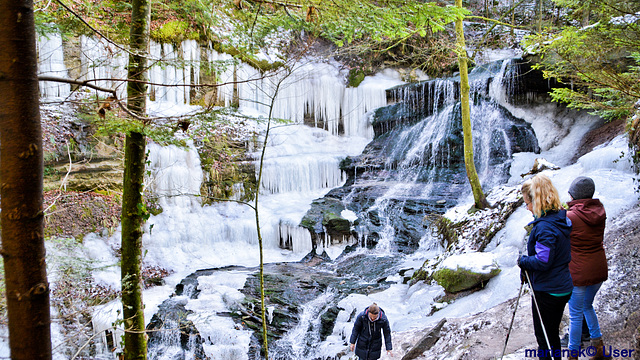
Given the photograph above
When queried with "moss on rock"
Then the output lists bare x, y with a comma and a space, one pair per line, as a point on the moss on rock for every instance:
462, 279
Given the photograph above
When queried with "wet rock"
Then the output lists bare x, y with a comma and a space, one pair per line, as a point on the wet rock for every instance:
328, 321
336, 225
427, 341
170, 332
324, 218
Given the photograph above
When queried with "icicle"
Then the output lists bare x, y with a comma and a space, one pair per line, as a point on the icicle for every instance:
51, 63
100, 60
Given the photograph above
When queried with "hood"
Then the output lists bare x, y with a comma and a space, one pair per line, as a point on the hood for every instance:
591, 211
558, 219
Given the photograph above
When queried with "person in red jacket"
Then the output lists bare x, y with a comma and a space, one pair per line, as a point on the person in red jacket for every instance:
588, 264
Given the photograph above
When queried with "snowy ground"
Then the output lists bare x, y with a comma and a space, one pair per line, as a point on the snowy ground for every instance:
408, 307
178, 238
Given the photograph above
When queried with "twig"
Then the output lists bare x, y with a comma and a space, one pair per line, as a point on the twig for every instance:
86, 83
63, 180
88, 342
94, 29
44, 8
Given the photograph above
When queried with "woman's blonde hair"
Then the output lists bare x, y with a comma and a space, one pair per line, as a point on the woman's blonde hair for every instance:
539, 190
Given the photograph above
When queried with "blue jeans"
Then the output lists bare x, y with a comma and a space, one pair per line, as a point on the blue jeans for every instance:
581, 306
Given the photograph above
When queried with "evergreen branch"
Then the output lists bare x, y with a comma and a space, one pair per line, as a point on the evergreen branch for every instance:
94, 29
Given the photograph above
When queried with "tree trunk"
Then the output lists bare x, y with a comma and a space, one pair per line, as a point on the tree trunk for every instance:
472, 175
133, 214
21, 160
586, 13
265, 342
132, 218
540, 16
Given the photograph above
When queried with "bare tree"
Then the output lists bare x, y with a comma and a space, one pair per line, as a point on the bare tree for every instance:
472, 174
21, 176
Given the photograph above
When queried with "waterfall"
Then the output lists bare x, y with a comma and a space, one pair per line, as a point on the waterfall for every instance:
415, 164
302, 341
51, 63
420, 152
104, 64
312, 93
179, 69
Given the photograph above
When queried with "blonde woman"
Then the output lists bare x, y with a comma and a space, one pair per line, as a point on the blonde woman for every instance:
547, 263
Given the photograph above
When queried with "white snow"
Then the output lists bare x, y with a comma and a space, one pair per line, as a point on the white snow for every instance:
187, 236
477, 262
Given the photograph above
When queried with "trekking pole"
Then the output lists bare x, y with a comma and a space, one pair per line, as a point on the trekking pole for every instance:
535, 302
512, 318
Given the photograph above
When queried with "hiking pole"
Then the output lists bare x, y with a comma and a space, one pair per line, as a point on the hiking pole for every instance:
535, 302
512, 318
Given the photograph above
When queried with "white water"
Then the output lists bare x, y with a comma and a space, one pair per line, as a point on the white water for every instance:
301, 164
187, 236
303, 340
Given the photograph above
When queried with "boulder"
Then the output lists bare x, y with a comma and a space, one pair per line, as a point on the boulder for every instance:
466, 271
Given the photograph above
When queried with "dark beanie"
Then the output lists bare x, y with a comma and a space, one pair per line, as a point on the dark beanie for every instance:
582, 188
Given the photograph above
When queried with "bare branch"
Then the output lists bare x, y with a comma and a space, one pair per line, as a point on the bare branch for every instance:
94, 29
279, 3
87, 83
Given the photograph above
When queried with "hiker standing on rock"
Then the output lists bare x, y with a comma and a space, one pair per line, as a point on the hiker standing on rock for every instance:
366, 336
547, 265
588, 263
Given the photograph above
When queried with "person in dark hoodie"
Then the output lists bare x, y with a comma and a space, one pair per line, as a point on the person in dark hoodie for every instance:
588, 264
366, 336
547, 264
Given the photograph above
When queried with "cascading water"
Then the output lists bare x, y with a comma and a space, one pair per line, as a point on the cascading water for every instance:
302, 341
394, 185
415, 165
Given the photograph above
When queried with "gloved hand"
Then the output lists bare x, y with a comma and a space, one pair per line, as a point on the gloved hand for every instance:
519, 260
523, 276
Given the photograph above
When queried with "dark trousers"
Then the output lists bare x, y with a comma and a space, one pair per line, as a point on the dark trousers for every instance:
551, 309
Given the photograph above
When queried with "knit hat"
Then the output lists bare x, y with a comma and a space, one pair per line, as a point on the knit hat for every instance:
582, 188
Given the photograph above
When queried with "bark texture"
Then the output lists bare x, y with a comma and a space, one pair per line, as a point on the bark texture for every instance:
21, 161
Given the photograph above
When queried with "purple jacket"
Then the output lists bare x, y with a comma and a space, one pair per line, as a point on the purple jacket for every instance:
549, 252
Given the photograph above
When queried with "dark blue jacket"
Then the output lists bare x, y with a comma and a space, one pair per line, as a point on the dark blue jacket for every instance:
549, 250
367, 335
